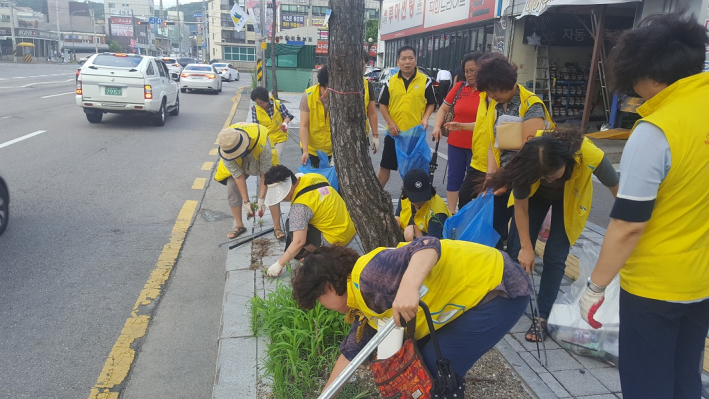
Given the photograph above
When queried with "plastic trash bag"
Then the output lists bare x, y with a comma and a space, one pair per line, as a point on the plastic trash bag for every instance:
474, 222
412, 151
325, 169
567, 327
546, 228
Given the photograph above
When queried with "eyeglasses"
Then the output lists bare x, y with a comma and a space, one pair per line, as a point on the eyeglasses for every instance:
470, 71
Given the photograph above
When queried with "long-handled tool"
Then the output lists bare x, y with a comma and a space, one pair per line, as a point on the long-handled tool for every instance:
348, 371
434, 162
535, 319
243, 240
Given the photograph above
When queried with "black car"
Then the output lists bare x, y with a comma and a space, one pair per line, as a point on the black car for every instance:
4, 205
184, 61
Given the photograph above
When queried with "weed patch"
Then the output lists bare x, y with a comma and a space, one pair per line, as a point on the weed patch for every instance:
304, 346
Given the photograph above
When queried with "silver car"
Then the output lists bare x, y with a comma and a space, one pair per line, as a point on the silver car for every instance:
200, 77
227, 71
172, 65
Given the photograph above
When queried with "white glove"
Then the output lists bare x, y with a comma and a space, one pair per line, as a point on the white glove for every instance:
275, 270
589, 304
284, 127
376, 143
261, 205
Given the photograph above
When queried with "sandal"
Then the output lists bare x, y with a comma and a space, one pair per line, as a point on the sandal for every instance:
236, 232
279, 234
537, 331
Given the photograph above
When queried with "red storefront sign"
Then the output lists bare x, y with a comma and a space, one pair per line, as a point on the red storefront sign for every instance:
322, 47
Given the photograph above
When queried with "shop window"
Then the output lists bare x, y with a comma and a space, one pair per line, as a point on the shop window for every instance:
239, 53
488, 38
319, 11
5, 18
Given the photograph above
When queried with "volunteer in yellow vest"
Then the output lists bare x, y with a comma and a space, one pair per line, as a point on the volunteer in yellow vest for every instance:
245, 151
407, 99
316, 211
498, 79
370, 108
272, 114
420, 212
315, 121
476, 295
553, 171
658, 237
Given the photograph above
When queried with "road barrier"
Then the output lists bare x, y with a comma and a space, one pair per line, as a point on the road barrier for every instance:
28, 58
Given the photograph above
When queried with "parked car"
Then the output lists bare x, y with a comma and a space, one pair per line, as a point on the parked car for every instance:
214, 61
373, 74
4, 205
83, 59
201, 77
186, 61
387, 73
172, 65
227, 71
127, 83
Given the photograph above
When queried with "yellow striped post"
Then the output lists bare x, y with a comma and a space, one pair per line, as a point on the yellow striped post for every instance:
259, 69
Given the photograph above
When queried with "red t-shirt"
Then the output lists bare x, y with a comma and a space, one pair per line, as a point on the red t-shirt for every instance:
466, 111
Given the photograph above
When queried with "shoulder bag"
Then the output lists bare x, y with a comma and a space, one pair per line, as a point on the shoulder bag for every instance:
451, 112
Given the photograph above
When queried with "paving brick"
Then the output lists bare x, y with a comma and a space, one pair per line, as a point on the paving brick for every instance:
532, 346
554, 385
590, 362
609, 377
236, 369
609, 396
580, 382
513, 343
238, 291
531, 378
557, 360
239, 258
522, 325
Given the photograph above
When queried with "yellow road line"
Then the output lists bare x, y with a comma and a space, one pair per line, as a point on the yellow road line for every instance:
119, 361
213, 151
235, 100
199, 183
207, 165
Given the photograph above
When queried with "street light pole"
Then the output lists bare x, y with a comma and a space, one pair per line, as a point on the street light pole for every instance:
12, 29
59, 34
93, 20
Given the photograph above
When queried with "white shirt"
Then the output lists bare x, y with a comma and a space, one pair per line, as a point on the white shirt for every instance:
444, 75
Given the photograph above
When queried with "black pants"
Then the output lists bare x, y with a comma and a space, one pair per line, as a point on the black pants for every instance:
472, 185
661, 347
314, 236
315, 161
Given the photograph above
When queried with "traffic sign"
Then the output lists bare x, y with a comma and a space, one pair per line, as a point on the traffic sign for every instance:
151, 20
158, 21
197, 15
155, 20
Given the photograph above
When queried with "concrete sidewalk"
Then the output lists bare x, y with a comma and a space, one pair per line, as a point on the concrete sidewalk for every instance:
239, 371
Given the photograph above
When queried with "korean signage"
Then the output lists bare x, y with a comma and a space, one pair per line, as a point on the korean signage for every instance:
319, 22
406, 17
292, 21
322, 47
29, 33
537, 7
567, 30
121, 26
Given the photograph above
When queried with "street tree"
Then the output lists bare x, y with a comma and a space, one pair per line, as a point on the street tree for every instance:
368, 204
274, 85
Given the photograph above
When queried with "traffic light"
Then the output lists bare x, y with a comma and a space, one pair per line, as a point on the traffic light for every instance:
140, 22
168, 23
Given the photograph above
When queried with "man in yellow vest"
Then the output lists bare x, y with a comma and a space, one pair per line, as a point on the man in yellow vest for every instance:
370, 108
316, 210
658, 237
272, 114
407, 99
245, 151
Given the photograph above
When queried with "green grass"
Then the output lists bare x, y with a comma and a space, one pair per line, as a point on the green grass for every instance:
304, 345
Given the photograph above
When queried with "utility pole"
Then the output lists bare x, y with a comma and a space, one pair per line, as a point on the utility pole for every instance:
59, 35
264, 35
93, 20
274, 84
12, 29
179, 31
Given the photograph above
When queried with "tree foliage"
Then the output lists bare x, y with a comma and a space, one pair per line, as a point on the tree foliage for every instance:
371, 30
114, 47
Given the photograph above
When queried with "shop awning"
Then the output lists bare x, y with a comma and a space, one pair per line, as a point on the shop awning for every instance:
25, 44
537, 7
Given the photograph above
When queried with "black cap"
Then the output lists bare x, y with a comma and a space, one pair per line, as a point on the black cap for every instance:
416, 186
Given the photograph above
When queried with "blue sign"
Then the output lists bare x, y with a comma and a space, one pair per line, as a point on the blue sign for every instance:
151, 20
155, 21
197, 15
295, 43
204, 45
158, 21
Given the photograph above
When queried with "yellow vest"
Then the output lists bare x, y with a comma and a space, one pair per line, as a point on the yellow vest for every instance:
258, 138
431, 208
484, 134
330, 214
319, 137
671, 260
464, 274
275, 134
407, 107
578, 190
366, 104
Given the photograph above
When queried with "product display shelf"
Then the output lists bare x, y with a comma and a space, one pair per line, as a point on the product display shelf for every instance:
566, 109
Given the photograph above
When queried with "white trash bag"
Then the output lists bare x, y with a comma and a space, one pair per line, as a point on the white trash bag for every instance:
567, 327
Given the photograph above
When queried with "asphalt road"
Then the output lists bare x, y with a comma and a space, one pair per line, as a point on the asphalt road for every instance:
92, 206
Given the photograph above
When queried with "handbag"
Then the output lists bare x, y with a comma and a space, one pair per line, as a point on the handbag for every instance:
450, 115
404, 375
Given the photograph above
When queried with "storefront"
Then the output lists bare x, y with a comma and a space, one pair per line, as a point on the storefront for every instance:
441, 32
40, 43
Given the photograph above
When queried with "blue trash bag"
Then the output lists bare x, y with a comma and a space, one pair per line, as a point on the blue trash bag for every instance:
474, 222
412, 151
325, 169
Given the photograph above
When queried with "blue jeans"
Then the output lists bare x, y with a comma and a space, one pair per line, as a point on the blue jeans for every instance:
464, 340
555, 253
458, 163
661, 346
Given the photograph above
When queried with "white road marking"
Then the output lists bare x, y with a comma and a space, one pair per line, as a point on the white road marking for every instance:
5, 117
55, 95
25, 137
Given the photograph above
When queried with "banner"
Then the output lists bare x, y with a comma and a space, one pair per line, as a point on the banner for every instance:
121, 26
399, 15
292, 21
239, 17
254, 7
322, 47
537, 7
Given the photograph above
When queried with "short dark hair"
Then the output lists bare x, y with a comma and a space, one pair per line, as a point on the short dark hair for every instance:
259, 93
404, 48
278, 174
538, 157
495, 73
365, 56
323, 76
474, 56
664, 48
327, 266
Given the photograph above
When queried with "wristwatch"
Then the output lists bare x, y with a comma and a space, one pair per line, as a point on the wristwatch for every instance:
594, 287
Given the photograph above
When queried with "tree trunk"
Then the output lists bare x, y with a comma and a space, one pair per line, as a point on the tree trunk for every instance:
368, 204
274, 87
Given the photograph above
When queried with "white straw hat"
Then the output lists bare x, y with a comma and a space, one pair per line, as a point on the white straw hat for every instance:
277, 192
233, 143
